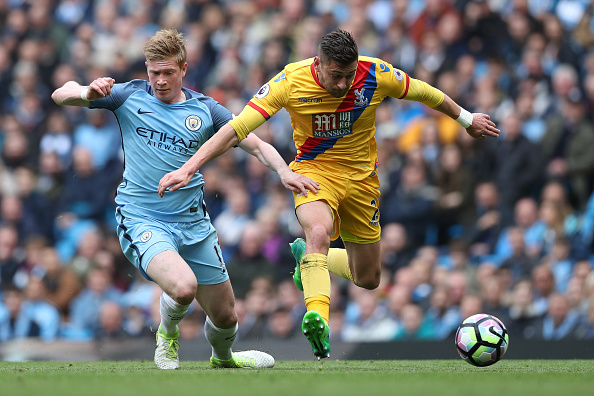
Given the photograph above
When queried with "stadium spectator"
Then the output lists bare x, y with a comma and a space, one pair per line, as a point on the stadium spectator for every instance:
560, 321
9, 255
586, 330
282, 325
444, 317
415, 325
100, 136
371, 323
519, 263
248, 262
37, 318
110, 322
10, 307
61, 282
274, 240
412, 204
492, 293
543, 286
561, 264
38, 208
517, 167
457, 283
485, 230
233, 219
88, 244
87, 188
289, 299
563, 143
84, 310
396, 251
396, 299
456, 186
258, 306
527, 222
522, 312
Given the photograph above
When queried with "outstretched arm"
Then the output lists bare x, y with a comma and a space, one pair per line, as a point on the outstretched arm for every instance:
217, 145
74, 94
268, 155
477, 125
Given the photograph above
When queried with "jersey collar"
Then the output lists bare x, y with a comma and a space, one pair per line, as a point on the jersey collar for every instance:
315, 76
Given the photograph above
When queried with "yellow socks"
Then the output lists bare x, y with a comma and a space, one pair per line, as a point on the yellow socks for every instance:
316, 279
338, 263
316, 284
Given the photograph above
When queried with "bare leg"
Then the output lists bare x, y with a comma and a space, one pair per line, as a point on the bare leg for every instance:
364, 262
220, 327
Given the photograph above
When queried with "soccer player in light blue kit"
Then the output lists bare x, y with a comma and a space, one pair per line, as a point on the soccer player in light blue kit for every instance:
171, 239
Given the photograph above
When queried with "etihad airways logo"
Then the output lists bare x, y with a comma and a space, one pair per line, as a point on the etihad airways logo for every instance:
164, 140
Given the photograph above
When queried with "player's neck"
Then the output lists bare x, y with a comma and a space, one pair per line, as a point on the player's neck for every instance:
180, 97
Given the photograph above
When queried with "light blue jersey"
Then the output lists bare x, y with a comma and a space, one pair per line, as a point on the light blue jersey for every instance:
158, 138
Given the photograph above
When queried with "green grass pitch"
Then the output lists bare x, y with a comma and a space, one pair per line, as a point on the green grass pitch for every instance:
328, 378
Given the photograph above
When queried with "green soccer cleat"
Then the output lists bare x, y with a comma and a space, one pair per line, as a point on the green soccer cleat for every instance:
298, 248
245, 359
317, 332
166, 357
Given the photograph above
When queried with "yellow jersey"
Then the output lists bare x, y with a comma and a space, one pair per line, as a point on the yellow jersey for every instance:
333, 134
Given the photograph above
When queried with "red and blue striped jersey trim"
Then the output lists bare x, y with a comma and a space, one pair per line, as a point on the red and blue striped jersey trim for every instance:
313, 147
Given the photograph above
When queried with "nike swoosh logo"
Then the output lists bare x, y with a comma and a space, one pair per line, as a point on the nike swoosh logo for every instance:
495, 333
143, 112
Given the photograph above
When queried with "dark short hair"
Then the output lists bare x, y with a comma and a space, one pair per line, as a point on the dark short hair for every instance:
338, 46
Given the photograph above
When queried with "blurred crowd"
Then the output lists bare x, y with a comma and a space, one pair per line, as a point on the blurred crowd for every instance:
502, 226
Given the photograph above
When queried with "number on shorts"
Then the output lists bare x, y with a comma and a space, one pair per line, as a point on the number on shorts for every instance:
375, 217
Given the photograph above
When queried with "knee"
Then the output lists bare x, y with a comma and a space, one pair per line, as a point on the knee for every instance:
369, 281
318, 237
224, 318
183, 292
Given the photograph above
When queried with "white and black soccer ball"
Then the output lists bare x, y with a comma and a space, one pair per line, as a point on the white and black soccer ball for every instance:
482, 340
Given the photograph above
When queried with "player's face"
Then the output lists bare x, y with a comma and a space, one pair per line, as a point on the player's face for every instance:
335, 78
165, 77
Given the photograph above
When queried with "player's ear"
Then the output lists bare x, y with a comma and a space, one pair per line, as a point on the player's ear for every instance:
317, 63
184, 69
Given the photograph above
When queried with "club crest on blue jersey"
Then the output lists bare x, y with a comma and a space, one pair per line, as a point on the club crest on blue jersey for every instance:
263, 92
146, 236
193, 123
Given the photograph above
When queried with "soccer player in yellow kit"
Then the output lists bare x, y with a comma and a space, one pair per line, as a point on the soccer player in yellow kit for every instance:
332, 100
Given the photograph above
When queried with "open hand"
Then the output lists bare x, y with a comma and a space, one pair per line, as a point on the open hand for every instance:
174, 181
482, 126
298, 183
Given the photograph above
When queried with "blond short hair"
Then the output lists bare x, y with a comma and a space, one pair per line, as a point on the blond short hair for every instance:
166, 43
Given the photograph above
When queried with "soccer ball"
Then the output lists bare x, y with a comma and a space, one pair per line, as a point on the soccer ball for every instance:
482, 340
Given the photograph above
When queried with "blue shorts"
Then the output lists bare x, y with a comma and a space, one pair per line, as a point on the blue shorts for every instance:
142, 238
